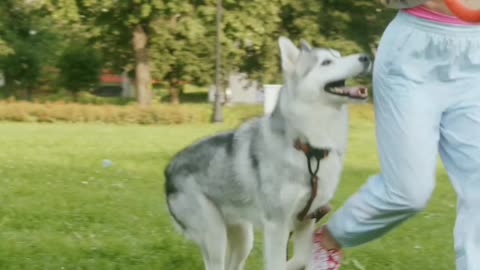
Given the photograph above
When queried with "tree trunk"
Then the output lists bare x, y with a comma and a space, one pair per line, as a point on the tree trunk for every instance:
75, 96
8, 89
217, 109
174, 95
142, 67
29, 94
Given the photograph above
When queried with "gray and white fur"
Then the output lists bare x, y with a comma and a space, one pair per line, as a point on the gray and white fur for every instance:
222, 187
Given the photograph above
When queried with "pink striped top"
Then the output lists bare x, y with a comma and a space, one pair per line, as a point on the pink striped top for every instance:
425, 13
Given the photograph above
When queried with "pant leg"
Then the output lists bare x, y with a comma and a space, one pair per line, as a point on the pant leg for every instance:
407, 129
460, 152
412, 84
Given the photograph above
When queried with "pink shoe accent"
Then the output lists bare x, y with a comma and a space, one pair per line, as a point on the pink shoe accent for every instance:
325, 259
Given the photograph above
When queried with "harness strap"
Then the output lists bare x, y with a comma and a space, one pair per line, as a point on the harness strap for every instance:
314, 155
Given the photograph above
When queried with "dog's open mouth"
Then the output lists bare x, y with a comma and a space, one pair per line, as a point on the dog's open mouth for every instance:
338, 88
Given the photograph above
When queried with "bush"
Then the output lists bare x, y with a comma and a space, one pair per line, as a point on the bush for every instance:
83, 97
130, 114
78, 113
80, 68
21, 70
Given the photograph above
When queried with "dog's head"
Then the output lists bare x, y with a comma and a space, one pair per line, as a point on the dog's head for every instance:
318, 75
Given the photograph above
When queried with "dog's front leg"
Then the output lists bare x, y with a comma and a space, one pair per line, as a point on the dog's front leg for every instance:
276, 240
303, 245
303, 235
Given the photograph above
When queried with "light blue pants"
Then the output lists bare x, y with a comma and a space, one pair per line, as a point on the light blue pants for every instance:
427, 100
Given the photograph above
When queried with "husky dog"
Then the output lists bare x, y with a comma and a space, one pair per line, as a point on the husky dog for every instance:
222, 187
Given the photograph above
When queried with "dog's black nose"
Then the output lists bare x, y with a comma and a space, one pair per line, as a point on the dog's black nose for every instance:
364, 59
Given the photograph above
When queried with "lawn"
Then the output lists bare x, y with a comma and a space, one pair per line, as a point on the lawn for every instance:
61, 208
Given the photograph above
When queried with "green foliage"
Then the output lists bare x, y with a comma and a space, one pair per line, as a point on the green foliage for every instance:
33, 32
251, 30
111, 24
180, 40
181, 33
18, 60
80, 67
21, 69
183, 45
4, 48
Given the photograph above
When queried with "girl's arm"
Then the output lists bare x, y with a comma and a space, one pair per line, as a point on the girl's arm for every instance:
398, 4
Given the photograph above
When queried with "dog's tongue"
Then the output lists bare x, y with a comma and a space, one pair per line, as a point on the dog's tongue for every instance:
357, 91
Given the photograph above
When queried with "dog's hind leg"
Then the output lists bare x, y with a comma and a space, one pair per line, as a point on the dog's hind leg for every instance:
303, 245
202, 222
240, 243
214, 245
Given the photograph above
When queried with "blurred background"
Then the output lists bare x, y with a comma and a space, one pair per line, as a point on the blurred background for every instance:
149, 52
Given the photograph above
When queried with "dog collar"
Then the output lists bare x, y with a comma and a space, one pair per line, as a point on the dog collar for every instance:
313, 155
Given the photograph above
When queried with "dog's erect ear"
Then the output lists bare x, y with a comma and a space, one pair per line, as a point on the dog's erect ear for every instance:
335, 53
305, 46
289, 54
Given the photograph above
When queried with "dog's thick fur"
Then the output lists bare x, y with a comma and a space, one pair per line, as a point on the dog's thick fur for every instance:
221, 187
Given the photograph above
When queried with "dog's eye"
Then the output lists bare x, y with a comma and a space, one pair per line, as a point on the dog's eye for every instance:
326, 62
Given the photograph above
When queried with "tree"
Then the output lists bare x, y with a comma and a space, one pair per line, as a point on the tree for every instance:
251, 30
80, 68
122, 29
174, 40
32, 33
183, 46
21, 70
169, 39
20, 26
5, 49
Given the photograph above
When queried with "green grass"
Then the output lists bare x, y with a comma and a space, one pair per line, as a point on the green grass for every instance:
61, 209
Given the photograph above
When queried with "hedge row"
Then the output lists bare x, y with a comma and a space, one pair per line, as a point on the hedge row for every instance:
76, 113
